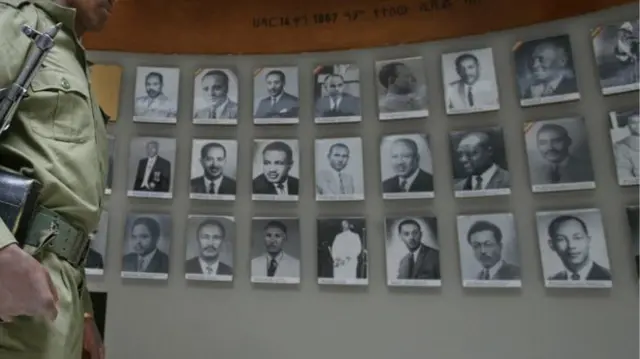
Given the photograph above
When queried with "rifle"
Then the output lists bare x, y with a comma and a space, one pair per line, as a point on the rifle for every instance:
19, 194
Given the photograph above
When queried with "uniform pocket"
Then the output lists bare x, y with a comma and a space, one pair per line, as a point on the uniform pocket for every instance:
59, 107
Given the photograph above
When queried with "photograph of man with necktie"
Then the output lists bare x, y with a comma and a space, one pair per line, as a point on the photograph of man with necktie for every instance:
151, 176
209, 248
337, 93
96, 258
112, 153
402, 89
489, 254
147, 244
215, 97
545, 71
275, 95
559, 155
406, 166
470, 81
156, 94
275, 250
342, 251
339, 175
479, 163
616, 51
213, 169
573, 248
412, 251
275, 170
624, 127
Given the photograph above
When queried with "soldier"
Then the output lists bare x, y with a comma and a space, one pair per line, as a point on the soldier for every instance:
58, 137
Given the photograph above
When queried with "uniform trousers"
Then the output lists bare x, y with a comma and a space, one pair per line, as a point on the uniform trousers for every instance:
39, 338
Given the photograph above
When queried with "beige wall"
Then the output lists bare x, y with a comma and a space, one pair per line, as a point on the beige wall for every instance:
176, 319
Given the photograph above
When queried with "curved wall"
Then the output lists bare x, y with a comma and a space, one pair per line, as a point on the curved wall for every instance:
180, 319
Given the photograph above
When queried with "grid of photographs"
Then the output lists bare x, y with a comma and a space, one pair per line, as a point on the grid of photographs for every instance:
572, 243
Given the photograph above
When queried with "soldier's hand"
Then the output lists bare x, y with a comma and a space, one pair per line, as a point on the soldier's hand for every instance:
25, 286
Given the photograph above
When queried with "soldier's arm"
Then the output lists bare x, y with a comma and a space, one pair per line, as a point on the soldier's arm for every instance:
86, 298
14, 48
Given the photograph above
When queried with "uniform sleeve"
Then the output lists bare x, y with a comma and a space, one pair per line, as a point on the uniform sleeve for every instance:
87, 304
14, 47
6, 237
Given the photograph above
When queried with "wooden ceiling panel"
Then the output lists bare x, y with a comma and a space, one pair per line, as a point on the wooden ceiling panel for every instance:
294, 26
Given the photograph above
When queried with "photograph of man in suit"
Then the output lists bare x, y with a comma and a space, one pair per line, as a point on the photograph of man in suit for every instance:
476, 154
421, 262
337, 102
400, 89
279, 103
485, 239
94, 258
146, 256
408, 176
627, 150
213, 158
210, 237
154, 172
470, 91
558, 165
215, 89
551, 72
569, 238
275, 261
335, 181
277, 160
155, 104
620, 67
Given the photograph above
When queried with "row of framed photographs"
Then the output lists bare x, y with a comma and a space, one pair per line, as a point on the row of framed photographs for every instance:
572, 245
558, 155
544, 72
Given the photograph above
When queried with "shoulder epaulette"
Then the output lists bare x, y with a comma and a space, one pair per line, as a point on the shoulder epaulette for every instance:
15, 3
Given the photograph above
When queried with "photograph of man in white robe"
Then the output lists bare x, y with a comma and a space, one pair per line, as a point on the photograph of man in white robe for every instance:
345, 250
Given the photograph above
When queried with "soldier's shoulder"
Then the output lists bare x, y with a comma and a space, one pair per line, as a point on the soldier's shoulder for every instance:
18, 10
15, 3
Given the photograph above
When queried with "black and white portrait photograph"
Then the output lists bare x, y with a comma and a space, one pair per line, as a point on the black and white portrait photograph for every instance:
489, 253
209, 248
402, 89
559, 155
213, 169
111, 144
545, 71
156, 94
342, 251
470, 81
151, 167
276, 170
215, 97
412, 251
615, 47
147, 245
633, 217
479, 163
337, 93
406, 166
96, 257
275, 95
573, 249
275, 250
339, 169
624, 127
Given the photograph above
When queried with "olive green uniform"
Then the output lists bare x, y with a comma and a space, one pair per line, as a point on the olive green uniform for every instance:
58, 136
